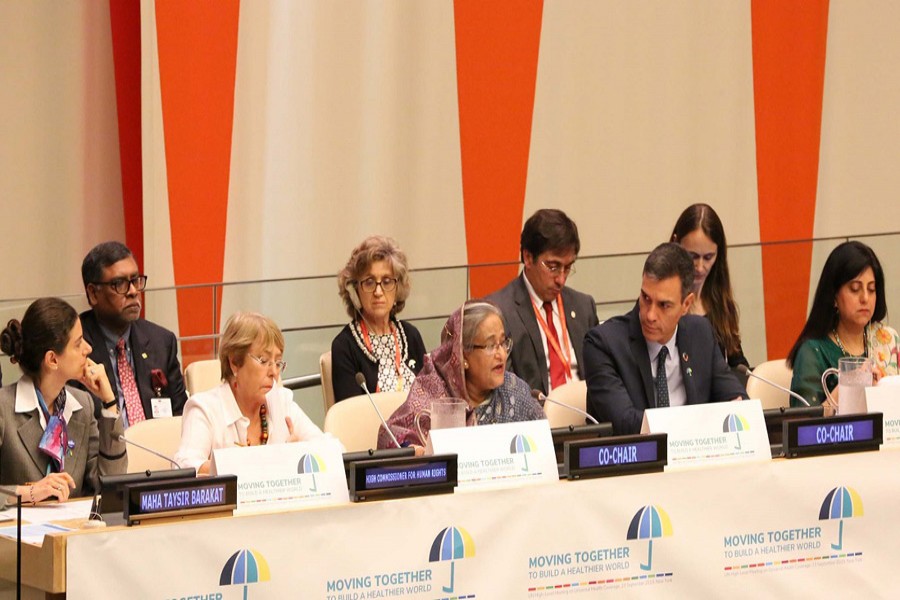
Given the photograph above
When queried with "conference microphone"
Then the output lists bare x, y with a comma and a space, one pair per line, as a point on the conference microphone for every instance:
361, 382
150, 450
744, 370
542, 398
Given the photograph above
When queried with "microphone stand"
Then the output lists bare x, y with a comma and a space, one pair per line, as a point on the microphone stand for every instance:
361, 381
542, 398
745, 371
126, 441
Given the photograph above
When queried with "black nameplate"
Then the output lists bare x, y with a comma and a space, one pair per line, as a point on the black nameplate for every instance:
574, 433
620, 455
402, 477
371, 454
112, 502
180, 497
775, 418
832, 435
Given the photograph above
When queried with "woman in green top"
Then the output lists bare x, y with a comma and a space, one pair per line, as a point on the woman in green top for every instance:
845, 320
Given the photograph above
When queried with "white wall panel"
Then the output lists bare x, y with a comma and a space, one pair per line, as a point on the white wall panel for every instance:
641, 109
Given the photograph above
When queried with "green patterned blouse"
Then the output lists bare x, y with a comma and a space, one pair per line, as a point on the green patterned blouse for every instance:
814, 356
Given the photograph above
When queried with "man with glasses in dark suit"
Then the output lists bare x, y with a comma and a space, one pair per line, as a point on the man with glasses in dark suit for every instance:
546, 320
140, 357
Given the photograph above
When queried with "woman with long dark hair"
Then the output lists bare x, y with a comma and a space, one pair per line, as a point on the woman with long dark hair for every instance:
699, 231
845, 320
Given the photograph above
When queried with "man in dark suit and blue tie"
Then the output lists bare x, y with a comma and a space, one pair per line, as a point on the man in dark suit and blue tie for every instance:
657, 355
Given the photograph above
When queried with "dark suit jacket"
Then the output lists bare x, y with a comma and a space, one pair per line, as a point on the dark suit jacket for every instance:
619, 381
152, 347
527, 359
97, 450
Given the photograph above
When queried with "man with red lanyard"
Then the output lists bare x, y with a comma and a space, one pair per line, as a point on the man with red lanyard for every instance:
546, 320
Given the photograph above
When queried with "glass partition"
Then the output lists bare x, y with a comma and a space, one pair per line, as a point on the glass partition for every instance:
311, 313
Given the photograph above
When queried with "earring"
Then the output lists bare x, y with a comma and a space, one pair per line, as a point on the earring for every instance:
465, 364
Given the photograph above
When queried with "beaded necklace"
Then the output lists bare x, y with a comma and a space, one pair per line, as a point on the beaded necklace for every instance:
263, 424
837, 338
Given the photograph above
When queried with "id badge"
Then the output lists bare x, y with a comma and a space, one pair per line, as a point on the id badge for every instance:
161, 407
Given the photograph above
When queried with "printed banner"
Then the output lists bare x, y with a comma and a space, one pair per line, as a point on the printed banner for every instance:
823, 525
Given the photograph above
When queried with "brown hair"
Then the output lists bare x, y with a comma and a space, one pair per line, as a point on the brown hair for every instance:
46, 326
716, 295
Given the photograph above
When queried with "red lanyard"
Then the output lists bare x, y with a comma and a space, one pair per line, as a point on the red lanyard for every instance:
368, 342
551, 339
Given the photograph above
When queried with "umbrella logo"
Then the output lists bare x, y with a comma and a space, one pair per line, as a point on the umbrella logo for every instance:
840, 503
312, 464
243, 568
522, 444
735, 423
648, 523
451, 543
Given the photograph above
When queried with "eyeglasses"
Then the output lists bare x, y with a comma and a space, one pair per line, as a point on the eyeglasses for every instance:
369, 284
491, 349
121, 285
268, 362
556, 268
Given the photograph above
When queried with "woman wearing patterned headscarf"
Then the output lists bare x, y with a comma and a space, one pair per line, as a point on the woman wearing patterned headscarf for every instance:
469, 364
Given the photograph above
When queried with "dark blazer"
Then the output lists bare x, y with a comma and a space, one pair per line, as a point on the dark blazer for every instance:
347, 359
97, 447
527, 359
619, 381
152, 347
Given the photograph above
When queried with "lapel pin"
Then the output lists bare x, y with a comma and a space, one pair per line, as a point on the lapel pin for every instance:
684, 356
144, 355
573, 314
690, 372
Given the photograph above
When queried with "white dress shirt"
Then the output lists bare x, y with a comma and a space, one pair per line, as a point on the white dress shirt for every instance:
212, 419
